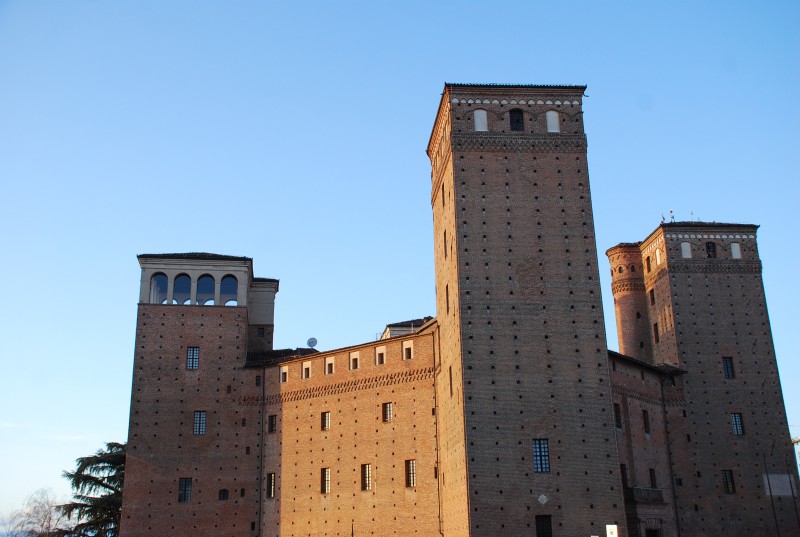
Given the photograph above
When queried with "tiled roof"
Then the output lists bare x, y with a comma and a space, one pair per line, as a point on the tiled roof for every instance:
275, 357
410, 324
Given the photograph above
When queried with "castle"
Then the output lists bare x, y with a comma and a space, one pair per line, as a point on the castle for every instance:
504, 414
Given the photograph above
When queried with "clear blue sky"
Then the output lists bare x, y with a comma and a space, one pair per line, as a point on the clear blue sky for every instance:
294, 133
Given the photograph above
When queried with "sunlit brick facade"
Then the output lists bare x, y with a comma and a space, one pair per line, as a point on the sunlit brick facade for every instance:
504, 414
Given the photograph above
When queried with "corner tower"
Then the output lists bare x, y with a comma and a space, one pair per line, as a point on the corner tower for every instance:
523, 394
734, 470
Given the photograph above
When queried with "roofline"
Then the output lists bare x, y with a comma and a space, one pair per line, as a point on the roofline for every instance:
663, 370
195, 255
455, 85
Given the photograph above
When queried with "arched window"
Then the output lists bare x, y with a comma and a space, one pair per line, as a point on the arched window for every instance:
711, 250
553, 121
182, 290
158, 289
205, 290
633, 268
481, 121
658, 256
517, 123
229, 291
620, 269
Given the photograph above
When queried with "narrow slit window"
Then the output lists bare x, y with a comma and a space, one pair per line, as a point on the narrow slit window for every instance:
387, 412
727, 482
270, 485
727, 367
411, 473
737, 425
366, 477
646, 421
272, 424
325, 419
325, 481
199, 427
185, 489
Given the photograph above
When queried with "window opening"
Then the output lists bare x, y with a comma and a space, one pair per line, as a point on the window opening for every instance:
646, 420
617, 416
516, 120
325, 481
306, 370
270, 485
623, 472
386, 412
185, 489
736, 250
652, 297
223, 494
655, 332
192, 357
541, 455
727, 482
711, 250
727, 367
325, 419
366, 477
544, 526
272, 424
205, 291
284, 374
199, 422
737, 425
182, 290
686, 250
653, 482
229, 291
411, 473
158, 289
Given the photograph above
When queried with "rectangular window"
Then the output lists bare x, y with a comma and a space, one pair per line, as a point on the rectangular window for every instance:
646, 420
185, 489
727, 482
305, 372
736, 424
727, 367
544, 526
258, 380
329, 367
541, 455
271, 485
354, 360
386, 412
284, 374
199, 422
552, 117
272, 424
617, 416
380, 355
623, 472
652, 297
408, 350
366, 477
447, 297
653, 482
481, 121
655, 332
325, 481
736, 250
260, 332
193, 358
686, 250
411, 473
325, 420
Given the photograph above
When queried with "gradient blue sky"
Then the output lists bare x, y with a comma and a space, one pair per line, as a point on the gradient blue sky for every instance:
294, 133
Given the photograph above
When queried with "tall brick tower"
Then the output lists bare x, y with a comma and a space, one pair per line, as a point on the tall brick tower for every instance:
526, 432
190, 444
700, 298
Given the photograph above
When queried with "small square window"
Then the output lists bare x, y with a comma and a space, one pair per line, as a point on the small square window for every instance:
386, 412
325, 481
260, 331
272, 424
354, 361
305, 372
193, 358
411, 473
408, 350
366, 477
380, 355
541, 455
325, 419
223, 494
737, 425
184, 489
329, 365
199, 422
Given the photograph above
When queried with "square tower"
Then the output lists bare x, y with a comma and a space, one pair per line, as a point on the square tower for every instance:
526, 434
697, 302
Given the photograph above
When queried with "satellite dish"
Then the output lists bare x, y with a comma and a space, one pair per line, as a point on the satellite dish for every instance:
312, 342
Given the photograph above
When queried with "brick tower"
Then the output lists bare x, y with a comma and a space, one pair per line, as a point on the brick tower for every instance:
189, 445
526, 435
700, 299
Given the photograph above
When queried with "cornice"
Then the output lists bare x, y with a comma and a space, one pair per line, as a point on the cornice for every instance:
627, 286
718, 267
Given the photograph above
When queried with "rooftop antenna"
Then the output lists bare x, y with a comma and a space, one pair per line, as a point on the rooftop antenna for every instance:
312, 342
